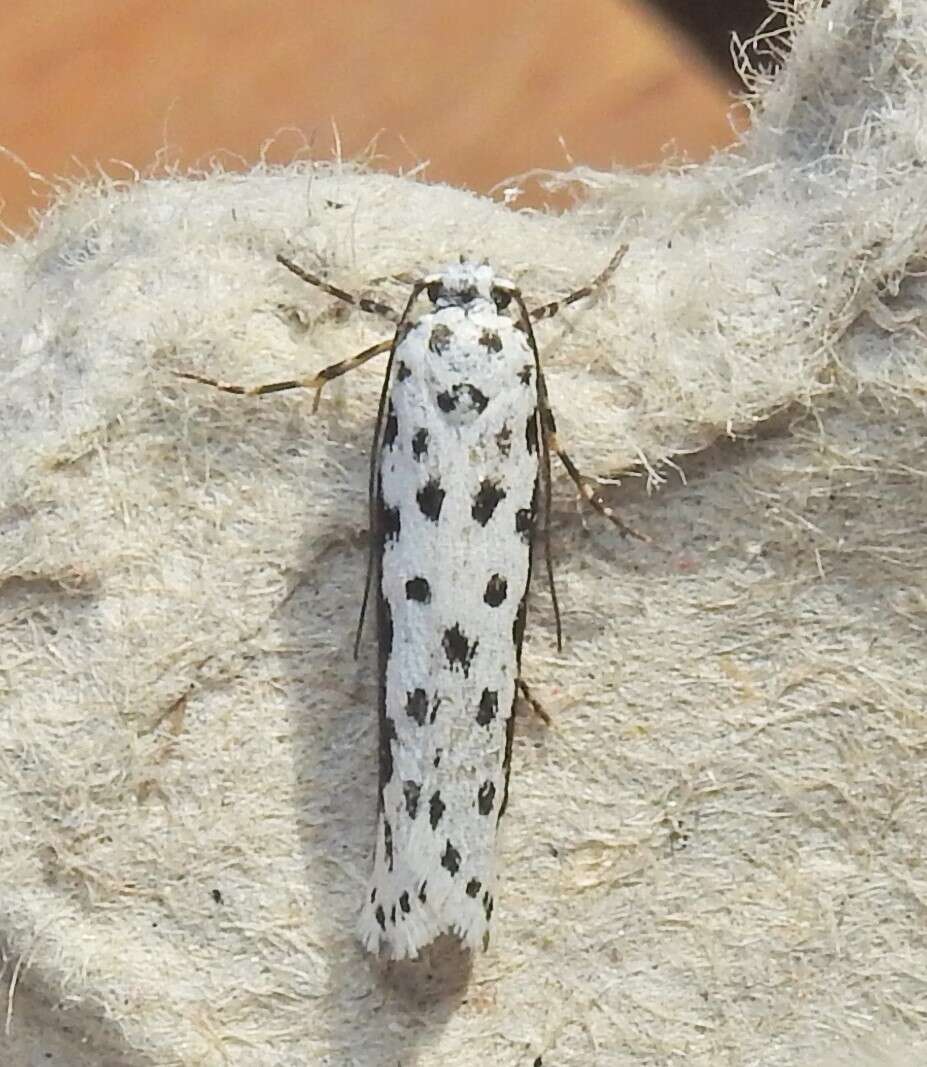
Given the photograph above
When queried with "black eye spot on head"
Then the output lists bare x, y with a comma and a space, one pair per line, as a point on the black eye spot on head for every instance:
420, 443
436, 808
381, 917
417, 706
458, 649
391, 523
491, 341
405, 903
391, 429
524, 375
418, 589
487, 498
485, 797
473, 887
402, 372
501, 298
411, 792
496, 591
523, 523
388, 843
440, 338
489, 707
450, 861
430, 498
531, 433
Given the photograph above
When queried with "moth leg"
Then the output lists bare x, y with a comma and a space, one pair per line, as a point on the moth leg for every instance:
585, 485
316, 382
535, 704
375, 307
547, 311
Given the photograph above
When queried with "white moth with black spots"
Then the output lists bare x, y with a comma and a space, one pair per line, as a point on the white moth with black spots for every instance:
459, 483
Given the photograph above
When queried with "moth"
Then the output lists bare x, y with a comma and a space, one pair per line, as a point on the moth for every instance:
459, 485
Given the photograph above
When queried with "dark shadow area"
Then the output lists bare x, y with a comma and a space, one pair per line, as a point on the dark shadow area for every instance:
399, 1006
710, 24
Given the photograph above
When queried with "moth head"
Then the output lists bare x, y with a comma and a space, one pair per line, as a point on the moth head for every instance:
465, 284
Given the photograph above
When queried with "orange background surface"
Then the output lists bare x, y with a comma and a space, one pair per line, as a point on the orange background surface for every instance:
480, 89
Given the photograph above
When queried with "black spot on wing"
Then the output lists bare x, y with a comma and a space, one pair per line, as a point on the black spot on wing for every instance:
463, 396
491, 341
402, 372
487, 905
390, 523
436, 808
450, 861
524, 375
391, 429
504, 440
524, 522
418, 589
422, 895
497, 589
435, 704
387, 737
489, 707
417, 706
404, 903
411, 792
531, 433
385, 628
485, 797
440, 338
392, 915
507, 753
430, 498
388, 843
473, 887
420, 443
381, 917
458, 648
488, 497
518, 626
478, 399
